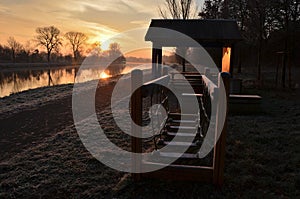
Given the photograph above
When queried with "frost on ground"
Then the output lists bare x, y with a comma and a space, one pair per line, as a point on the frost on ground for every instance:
262, 152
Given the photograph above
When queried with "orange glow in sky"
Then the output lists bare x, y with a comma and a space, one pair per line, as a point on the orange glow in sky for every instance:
99, 19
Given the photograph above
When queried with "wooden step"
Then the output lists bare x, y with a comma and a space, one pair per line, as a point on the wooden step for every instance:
180, 144
178, 115
178, 155
173, 134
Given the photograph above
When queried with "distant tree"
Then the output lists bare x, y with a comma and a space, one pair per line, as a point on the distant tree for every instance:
116, 58
49, 37
76, 39
5, 53
114, 50
179, 9
15, 47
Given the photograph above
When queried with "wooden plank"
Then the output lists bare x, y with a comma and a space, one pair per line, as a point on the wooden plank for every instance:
192, 95
178, 155
180, 144
172, 134
180, 173
245, 96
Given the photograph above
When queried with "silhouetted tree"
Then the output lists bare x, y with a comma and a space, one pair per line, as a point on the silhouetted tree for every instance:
212, 9
261, 22
76, 39
5, 53
15, 47
49, 37
288, 13
179, 9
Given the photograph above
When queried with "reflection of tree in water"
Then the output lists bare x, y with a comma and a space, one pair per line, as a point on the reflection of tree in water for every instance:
37, 74
70, 70
13, 82
117, 66
117, 58
49, 78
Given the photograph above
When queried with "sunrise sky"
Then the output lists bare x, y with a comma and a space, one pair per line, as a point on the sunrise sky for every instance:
99, 19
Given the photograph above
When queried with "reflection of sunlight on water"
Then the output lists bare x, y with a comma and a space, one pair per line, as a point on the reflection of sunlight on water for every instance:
104, 75
14, 82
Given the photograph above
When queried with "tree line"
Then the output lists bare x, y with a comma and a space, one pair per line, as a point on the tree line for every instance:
52, 40
270, 29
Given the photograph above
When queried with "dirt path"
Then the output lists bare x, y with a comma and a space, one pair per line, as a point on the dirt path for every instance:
28, 128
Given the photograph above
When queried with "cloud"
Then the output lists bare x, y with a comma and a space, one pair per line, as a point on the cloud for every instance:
99, 18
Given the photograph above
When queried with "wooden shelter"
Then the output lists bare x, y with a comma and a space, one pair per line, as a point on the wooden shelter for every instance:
213, 33
219, 34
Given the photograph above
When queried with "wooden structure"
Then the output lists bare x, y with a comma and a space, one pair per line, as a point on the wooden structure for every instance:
213, 33
195, 127
219, 34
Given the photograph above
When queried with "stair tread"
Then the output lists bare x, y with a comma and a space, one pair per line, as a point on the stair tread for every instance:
184, 121
180, 144
178, 155
183, 127
181, 134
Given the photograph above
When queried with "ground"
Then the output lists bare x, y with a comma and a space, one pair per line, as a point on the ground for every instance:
42, 155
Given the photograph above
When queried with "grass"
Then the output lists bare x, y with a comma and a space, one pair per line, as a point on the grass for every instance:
262, 161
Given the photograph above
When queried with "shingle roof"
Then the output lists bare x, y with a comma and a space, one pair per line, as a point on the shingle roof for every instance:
203, 31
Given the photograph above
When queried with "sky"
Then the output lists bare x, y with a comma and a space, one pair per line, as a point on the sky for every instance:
99, 19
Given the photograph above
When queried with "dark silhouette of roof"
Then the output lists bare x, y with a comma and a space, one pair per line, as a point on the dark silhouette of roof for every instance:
209, 31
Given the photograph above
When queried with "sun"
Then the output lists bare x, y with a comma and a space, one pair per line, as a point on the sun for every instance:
104, 75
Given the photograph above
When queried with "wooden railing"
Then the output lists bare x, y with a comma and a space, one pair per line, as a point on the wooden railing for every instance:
158, 92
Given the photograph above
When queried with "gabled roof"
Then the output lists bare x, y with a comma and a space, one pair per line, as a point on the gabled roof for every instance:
203, 31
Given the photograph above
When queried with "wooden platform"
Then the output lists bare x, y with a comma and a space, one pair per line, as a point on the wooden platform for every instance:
245, 104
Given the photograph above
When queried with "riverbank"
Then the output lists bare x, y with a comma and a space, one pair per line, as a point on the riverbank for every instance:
42, 155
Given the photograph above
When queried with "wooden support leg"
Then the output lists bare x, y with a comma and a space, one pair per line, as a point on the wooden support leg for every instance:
219, 152
136, 114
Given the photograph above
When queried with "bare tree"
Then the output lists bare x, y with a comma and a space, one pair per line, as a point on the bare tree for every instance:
179, 9
76, 39
15, 47
49, 37
262, 25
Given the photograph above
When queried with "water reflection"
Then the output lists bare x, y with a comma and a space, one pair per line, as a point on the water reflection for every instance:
14, 82
17, 81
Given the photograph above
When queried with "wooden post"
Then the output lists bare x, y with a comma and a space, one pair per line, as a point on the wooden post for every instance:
207, 72
232, 63
136, 115
165, 71
159, 61
219, 152
154, 62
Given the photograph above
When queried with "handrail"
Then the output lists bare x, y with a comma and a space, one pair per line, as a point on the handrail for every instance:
211, 86
148, 88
